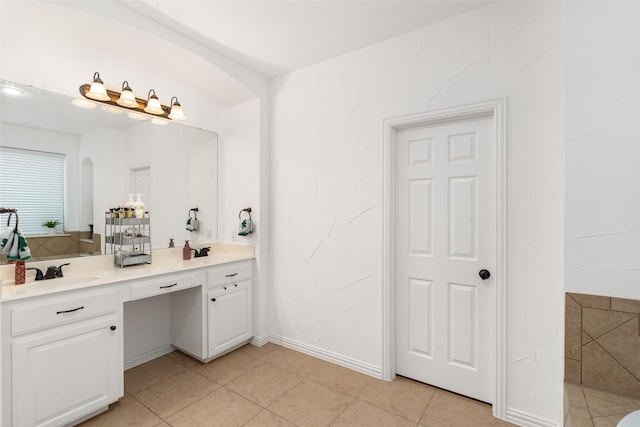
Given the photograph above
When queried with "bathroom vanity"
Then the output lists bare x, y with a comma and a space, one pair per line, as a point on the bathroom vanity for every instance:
63, 339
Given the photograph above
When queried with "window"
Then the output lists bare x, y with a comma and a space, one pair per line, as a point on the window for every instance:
42, 174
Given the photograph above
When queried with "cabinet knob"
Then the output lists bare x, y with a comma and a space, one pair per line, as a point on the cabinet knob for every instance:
113, 327
213, 299
235, 284
224, 287
484, 274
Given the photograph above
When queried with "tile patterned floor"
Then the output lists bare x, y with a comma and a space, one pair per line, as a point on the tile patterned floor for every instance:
586, 407
274, 386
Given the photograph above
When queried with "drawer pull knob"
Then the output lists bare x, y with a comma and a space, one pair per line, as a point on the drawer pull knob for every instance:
213, 299
113, 327
224, 287
70, 311
168, 286
235, 284
231, 275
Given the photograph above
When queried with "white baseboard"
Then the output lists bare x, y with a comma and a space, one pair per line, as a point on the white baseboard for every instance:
338, 359
527, 420
139, 359
260, 341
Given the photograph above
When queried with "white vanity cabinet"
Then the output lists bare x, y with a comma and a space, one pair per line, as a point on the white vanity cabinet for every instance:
64, 357
229, 310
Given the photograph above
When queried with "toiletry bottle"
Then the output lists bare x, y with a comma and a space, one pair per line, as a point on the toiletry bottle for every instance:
186, 251
139, 206
130, 203
171, 244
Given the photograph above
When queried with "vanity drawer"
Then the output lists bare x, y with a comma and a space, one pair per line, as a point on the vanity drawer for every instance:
229, 273
50, 312
164, 285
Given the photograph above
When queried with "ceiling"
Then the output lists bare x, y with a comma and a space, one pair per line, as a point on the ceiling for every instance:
275, 37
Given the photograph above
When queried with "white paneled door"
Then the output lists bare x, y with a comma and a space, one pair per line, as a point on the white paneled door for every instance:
445, 237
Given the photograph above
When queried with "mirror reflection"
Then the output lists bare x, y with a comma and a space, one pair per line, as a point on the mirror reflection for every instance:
105, 157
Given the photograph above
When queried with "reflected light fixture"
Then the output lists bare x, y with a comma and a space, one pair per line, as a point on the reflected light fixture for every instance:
97, 90
176, 110
83, 103
139, 108
127, 99
10, 90
153, 104
137, 116
111, 109
160, 122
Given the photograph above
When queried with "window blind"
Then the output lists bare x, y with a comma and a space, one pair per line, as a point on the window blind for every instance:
33, 183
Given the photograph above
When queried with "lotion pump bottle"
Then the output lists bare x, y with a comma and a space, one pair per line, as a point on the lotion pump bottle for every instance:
186, 251
139, 206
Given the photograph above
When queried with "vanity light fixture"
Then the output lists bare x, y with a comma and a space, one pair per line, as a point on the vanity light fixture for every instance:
139, 108
153, 104
97, 90
127, 99
176, 110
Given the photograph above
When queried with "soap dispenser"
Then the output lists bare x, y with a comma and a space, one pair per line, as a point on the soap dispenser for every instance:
186, 251
138, 205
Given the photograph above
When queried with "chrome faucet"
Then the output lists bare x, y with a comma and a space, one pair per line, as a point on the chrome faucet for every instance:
53, 272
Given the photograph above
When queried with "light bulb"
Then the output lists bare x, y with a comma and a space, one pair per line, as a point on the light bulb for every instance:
97, 90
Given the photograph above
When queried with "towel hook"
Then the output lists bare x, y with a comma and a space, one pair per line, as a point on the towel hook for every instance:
247, 210
10, 212
246, 225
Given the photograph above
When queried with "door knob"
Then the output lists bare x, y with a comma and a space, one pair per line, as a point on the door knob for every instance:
484, 274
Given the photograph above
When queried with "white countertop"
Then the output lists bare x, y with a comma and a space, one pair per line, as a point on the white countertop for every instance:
87, 272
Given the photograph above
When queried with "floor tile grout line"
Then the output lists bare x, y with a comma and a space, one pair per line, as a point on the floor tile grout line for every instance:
387, 410
179, 410
424, 411
341, 412
270, 403
601, 415
149, 409
191, 404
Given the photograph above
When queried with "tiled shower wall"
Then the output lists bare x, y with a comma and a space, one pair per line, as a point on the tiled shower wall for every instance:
70, 244
602, 343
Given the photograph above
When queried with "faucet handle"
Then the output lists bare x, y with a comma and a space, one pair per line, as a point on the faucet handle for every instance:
59, 270
51, 272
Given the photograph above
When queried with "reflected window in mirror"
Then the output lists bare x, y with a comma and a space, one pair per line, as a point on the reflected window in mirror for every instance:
43, 173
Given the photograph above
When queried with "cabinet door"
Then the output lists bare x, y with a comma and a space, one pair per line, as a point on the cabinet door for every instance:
229, 317
67, 372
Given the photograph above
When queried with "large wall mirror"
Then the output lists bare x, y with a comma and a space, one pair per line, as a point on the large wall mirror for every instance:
108, 156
